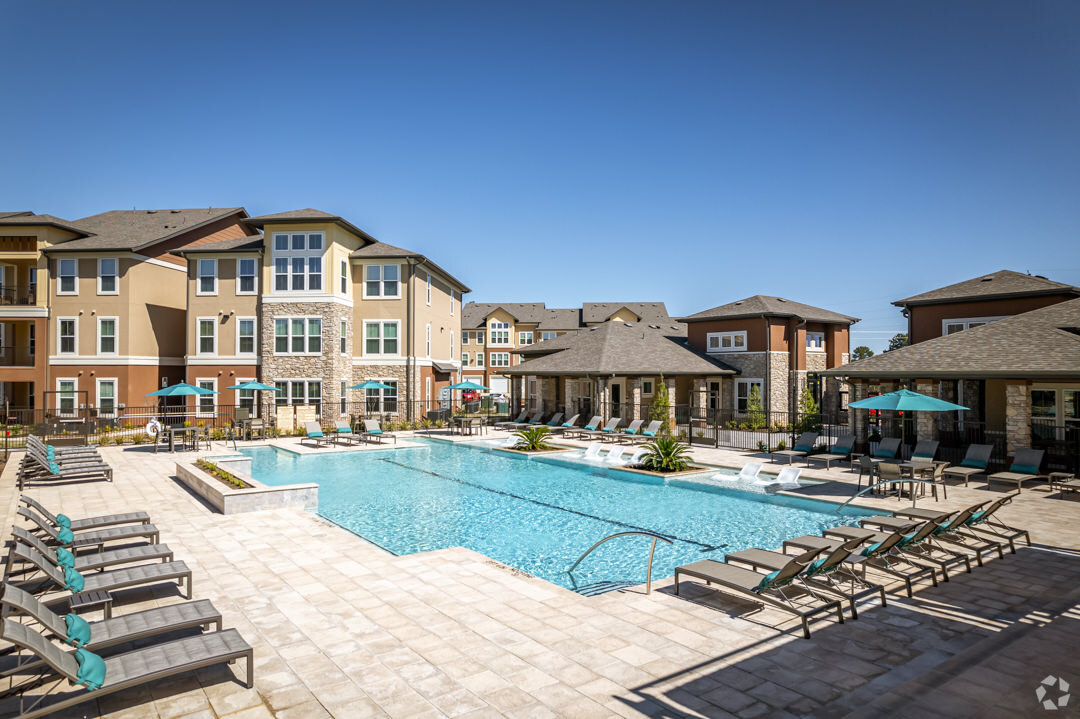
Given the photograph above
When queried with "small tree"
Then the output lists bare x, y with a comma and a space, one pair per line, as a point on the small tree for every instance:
861, 352
755, 412
809, 413
899, 340
660, 409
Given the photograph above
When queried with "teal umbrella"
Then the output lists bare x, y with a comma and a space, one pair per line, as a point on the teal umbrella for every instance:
905, 400
180, 389
371, 384
468, 385
256, 386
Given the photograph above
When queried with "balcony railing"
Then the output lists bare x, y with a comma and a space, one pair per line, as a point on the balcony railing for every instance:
16, 357
18, 295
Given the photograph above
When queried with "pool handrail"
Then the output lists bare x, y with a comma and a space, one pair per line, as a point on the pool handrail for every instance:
652, 550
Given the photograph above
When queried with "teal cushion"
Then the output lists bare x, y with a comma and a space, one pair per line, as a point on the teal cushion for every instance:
607, 429
375, 431
907, 539
73, 580
647, 433
54, 468
591, 427
1024, 469
891, 454
769, 579
631, 431
871, 549
567, 424
314, 434
66, 536
63, 521
78, 631
804, 448
978, 518
922, 456
344, 430
64, 558
978, 464
815, 566
91, 669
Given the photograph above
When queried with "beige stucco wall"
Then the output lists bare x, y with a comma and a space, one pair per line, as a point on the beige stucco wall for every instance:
226, 305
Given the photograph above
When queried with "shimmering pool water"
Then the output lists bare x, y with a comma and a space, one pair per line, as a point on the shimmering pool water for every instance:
538, 514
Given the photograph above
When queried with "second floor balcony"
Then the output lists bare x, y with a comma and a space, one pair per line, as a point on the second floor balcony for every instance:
11, 356
19, 295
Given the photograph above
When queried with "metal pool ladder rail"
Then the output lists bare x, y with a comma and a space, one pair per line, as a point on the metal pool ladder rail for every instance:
652, 550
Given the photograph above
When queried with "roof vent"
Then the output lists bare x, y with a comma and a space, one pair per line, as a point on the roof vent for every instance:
654, 327
739, 302
175, 212
780, 299
151, 212
627, 324
986, 279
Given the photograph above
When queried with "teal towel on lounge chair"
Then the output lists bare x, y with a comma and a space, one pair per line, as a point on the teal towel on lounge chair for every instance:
54, 468
631, 431
64, 558
767, 580
66, 536
73, 581
62, 520
1024, 469
803, 448
647, 433
977, 464
886, 453
375, 431
78, 630
567, 424
91, 669
314, 434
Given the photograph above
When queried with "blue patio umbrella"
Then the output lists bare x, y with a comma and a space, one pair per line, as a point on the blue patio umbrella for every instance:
905, 400
255, 386
371, 384
468, 385
180, 389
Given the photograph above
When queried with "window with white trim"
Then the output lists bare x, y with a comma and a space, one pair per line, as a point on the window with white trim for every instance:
107, 277
382, 400
500, 359
525, 338
427, 341
245, 276
297, 335
500, 334
106, 397
742, 392
544, 336
464, 359
726, 341
952, 326
67, 270
451, 302
207, 277
344, 277
465, 337
479, 338
344, 328
65, 398
299, 391
67, 340
646, 386
245, 335
479, 359
207, 403
343, 401
245, 397
451, 344
381, 338
298, 261
382, 281
106, 340
429, 289
207, 327
815, 341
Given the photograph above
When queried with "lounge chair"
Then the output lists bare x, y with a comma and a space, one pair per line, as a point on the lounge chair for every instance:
630, 432
531, 421
521, 418
374, 432
887, 449
95, 538
90, 561
975, 462
883, 550
315, 434
1024, 468
615, 454
804, 445
566, 426
343, 434
768, 589
922, 545
986, 524
77, 525
958, 530
750, 471
37, 467
605, 432
122, 671
925, 450
555, 421
109, 580
840, 451
583, 432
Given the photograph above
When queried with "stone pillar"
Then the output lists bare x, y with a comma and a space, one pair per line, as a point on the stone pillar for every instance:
1017, 415
926, 422
890, 421
670, 384
568, 397
603, 398
859, 419
947, 420
549, 393
633, 391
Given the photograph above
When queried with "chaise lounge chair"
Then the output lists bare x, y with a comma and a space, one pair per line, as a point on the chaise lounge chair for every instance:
1024, 468
110, 580
883, 550
925, 450
520, 418
804, 445
840, 451
567, 426
531, 421
583, 433
605, 432
95, 538
315, 434
887, 449
630, 433
90, 561
768, 589
122, 671
85, 523
975, 462
343, 434
374, 432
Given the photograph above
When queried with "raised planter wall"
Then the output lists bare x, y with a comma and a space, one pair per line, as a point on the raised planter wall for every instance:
230, 500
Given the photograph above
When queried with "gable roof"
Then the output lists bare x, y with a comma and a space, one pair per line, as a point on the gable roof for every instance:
133, 230
770, 306
306, 215
560, 319
601, 311
236, 244
380, 250
1042, 343
474, 315
619, 348
996, 285
26, 219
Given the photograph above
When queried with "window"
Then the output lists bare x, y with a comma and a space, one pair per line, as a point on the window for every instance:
245, 336
344, 336
646, 386
427, 341
465, 337
299, 391
206, 402
67, 343
815, 341
500, 334
382, 281
479, 338
207, 335
344, 277
500, 359
65, 398
429, 289
106, 335
106, 277
952, 326
742, 392
343, 408
451, 302
245, 397
451, 344
32, 344
298, 262
427, 390
548, 336
525, 338
68, 271
245, 276
297, 335
207, 277
464, 359
106, 397
382, 400
726, 341
381, 337
479, 359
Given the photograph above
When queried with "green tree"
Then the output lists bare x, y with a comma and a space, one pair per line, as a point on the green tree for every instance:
809, 413
755, 412
861, 352
660, 409
899, 340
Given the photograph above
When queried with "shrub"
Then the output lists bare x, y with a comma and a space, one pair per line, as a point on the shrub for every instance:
781, 446
660, 409
532, 439
665, 454
809, 413
762, 447
755, 413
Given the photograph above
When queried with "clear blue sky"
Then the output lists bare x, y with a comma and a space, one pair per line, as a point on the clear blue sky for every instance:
843, 154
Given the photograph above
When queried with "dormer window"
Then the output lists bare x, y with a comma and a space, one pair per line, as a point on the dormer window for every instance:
298, 262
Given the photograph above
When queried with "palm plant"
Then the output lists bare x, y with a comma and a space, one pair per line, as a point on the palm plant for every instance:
532, 439
666, 454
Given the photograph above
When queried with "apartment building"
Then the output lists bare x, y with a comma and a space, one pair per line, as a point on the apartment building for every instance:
92, 309
313, 305
491, 332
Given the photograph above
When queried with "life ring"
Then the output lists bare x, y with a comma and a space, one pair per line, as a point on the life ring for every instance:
153, 429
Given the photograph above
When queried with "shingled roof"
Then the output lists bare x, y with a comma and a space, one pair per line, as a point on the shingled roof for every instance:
996, 285
306, 215
24, 219
600, 311
1040, 344
474, 315
768, 306
236, 244
620, 348
132, 230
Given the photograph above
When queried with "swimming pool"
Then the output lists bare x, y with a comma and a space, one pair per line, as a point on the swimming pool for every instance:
538, 514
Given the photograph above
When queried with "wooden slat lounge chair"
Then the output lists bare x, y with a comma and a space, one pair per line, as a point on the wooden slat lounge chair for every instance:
315, 434
90, 561
975, 462
1024, 468
374, 433
840, 451
93, 538
804, 445
85, 523
122, 671
771, 589
109, 580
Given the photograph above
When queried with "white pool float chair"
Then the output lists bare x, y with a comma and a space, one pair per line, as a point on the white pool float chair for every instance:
638, 454
615, 454
593, 450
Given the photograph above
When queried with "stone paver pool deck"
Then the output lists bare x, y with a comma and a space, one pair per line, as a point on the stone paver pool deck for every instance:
342, 628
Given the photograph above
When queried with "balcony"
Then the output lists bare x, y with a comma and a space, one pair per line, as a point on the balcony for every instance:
24, 295
16, 357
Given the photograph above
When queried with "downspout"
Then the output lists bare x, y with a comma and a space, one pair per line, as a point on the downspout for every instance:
768, 370
793, 399
409, 361
47, 333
